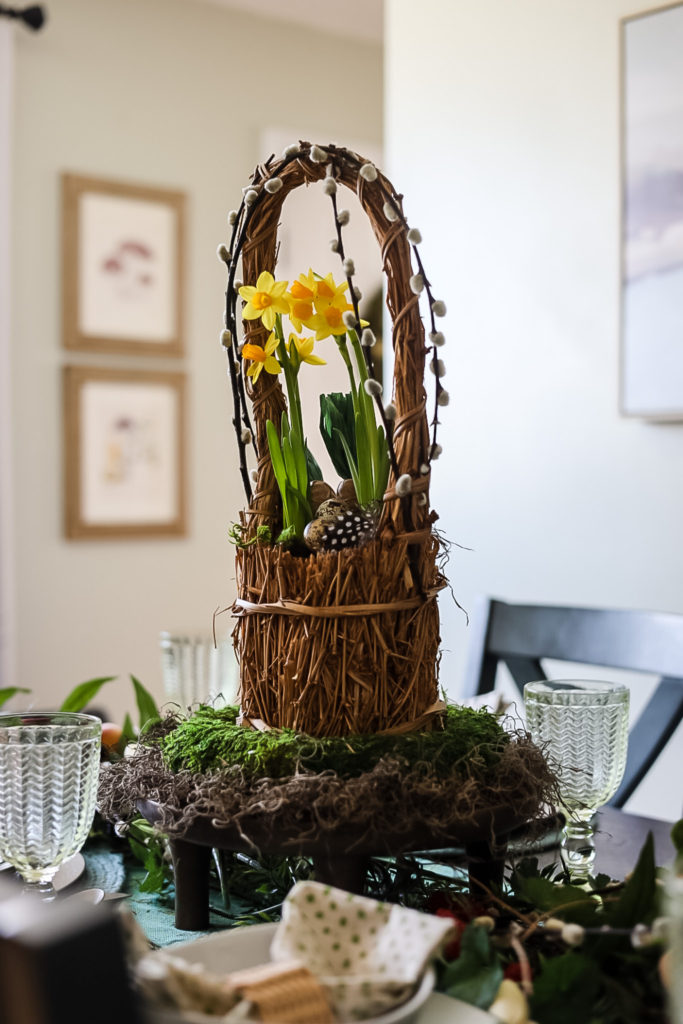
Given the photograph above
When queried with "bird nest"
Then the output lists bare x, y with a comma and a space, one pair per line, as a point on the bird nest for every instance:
397, 800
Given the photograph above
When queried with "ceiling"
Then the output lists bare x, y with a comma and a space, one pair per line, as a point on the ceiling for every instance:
357, 19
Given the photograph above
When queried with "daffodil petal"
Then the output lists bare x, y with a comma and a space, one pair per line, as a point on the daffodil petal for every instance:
272, 366
247, 291
314, 360
249, 313
265, 281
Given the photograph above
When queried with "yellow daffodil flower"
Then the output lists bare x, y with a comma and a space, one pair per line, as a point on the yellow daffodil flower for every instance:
262, 358
304, 349
265, 300
329, 292
301, 298
328, 322
311, 298
330, 304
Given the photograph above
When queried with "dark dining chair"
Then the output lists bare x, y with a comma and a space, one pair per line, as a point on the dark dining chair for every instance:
521, 635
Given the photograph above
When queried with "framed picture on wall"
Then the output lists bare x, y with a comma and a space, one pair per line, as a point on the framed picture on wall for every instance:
122, 267
652, 215
124, 453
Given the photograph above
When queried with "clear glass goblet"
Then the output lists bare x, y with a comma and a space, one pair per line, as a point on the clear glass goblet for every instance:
49, 767
583, 727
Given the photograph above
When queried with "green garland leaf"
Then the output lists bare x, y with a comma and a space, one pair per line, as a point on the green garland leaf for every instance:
476, 975
566, 989
637, 903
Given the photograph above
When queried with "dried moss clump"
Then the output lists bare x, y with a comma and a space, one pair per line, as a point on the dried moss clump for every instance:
211, 740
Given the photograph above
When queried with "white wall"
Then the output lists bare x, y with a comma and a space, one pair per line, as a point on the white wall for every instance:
502, 130
7, 635
173, 94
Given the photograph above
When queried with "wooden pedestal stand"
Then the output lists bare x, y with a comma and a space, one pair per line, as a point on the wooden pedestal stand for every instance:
340, 857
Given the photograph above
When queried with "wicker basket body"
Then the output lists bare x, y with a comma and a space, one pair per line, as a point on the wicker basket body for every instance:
339, 643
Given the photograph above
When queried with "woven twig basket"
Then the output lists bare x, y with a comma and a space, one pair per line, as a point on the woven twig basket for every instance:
347, 642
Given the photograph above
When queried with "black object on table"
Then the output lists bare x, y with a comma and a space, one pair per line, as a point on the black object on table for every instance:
61, 962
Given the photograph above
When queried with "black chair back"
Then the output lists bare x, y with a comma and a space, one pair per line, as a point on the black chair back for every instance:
520, 636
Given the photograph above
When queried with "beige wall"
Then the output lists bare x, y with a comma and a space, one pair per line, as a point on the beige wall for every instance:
175, 94
504, 137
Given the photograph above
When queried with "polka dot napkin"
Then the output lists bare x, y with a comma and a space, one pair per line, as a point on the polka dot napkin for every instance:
368, 956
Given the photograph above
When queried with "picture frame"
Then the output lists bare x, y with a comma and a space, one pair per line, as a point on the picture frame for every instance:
122, 267
124, 453
651, 307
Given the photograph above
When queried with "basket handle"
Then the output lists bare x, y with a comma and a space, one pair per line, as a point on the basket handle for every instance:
256, 240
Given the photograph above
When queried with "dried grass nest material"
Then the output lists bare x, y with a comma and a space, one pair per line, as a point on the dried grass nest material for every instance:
393, 796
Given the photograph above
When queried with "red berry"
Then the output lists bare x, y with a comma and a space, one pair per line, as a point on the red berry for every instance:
452, 949
513, 971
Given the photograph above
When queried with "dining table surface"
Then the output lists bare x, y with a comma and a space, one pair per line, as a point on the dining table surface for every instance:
619, 837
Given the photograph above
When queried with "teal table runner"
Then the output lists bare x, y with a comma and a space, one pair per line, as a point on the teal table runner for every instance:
112, 871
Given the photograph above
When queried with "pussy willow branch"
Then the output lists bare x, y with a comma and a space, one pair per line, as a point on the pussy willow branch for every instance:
391, 199
406, 502
236, 370
241, 446
366, 351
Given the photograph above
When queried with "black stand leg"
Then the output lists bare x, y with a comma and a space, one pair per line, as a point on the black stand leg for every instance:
191, 870
347, 873
485, 864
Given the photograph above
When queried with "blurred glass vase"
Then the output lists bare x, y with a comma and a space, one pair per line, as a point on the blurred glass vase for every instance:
195, 671
49, 767
583, 727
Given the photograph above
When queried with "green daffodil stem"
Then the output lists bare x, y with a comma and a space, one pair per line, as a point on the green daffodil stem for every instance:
344, 352
291, 380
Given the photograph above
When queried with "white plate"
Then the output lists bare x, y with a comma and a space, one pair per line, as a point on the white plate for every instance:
238, 948
67, 873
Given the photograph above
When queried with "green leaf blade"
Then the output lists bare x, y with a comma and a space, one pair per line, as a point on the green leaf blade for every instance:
82, 694
11, 691
147, 707
637, 903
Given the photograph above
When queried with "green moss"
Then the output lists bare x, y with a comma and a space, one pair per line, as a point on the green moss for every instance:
211, 740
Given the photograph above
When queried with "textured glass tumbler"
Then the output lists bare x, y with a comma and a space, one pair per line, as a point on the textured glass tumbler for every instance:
49, 767
583, 727
195, 671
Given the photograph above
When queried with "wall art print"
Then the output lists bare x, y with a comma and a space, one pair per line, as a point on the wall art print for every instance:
122, 259
652, 215
124, 453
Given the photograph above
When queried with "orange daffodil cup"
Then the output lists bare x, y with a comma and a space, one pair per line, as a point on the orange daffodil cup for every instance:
262, 358
320, 305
